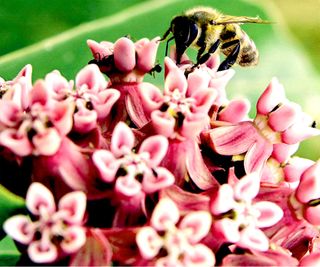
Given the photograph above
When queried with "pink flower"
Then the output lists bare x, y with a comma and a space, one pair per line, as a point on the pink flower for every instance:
134, 173
307, 194
180, 241
238, 219
55, 232
37, 129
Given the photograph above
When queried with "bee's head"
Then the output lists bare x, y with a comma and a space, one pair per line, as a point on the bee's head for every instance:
185, 31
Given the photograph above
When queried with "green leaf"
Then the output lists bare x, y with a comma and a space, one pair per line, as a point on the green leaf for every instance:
9, 255
10, 204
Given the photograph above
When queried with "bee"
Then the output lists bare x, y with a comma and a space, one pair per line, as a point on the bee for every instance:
208, 31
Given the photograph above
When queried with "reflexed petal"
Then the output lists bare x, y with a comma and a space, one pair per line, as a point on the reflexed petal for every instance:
297, 133
105, 101
91, 77
295, 168
194, 124
19, 228
247, 187
74, 204
197, 224
62, 116
47, 143
39, 196
147, 52
124, 54
308, 188
10, 113
122, 140
311, 260
162, 123
175, 80
165, 214
282, 152
106, 164
222, 201
312, 214
39, 255
199, 256
149, 242
227, 229
127, 186
19, 145
253, 238
74, 239
156, 147
271, 97
270, 213
233, 139
283, 117
152, 183
39, 93
235, 111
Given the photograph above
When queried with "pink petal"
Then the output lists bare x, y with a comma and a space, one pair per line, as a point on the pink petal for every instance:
147, 52
247, 187
105, 101
91, 77
10, 113
19, 145
257, 155
308, 188
222, 201
96, 251
85, 120
175, 80
122, 140
226, 229
127, 186
297, 133
74, 204
197, 81
152, 183
311, 260
284, 116
282, 152
151, 97
253, 238
200, 255
100, 50
47, 143
197, 169
39, 93
193, 124
106, 164
295, 168
270, 213
42, 255
165, 214
124, 54
233, 139
162, 123
203, 100
74, 239
271, 97
235, 111
156, 148
198, 223
19, 228
149, 242
39, 197
312, 214
62, 116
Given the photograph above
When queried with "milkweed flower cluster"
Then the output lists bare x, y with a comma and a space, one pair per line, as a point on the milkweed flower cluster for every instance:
118, 171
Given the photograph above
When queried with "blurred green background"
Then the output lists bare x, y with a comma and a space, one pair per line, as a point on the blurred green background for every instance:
52, 35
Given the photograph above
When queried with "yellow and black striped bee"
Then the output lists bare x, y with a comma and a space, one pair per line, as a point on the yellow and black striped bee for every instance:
208, 30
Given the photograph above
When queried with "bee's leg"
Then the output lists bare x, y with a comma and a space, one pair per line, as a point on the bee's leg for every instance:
203, 58
232, 57
167, 44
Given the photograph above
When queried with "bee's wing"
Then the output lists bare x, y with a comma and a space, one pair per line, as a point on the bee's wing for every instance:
226, 19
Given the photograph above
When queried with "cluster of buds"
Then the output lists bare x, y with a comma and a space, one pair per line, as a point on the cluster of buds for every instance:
117, 171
